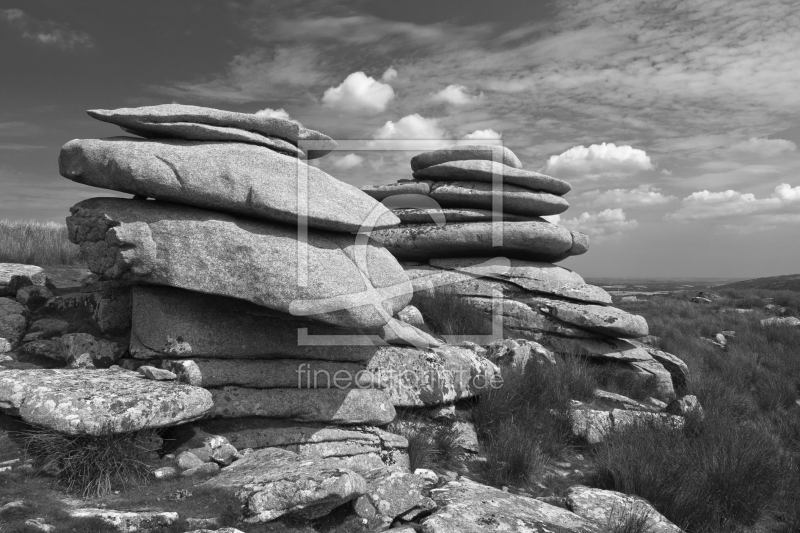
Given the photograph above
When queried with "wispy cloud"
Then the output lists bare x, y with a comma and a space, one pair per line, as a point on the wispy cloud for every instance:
705, 205
642, 196
46, 32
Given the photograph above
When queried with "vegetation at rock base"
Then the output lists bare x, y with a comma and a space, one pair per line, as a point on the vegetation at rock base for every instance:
429, 446
36, 243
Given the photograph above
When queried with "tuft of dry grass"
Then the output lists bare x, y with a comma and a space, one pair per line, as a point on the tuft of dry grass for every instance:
36, 243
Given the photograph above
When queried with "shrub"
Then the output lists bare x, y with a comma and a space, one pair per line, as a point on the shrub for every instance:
36, 243
629, 519
430, 444
90, 466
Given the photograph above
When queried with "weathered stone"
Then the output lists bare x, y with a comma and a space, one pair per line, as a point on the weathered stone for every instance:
219, 450
428, 476
600, 319
12, 324
480, 152
334, 406
518, 353
102, 352
685, 406
533, 241
51, 349
485, 171
674, 365
383, 191
479, 195
411, 315
469, 507
170, 322
150, 116
393, 492
169, 244
776, 321
591, 425
661, 380
206, 469
258, 182
33, 296
165, 472
535, 277
80, 360
49, 327
611, 509
618, 401
363, 507
203, 132
410, 215
112, 310
97, 402
14, 276
625, 419
273, 482
188, 460
442, 375
466, 436
158, 374
608, 348
33, 336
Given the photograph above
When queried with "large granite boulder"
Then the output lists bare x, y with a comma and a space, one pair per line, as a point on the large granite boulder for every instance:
392, 492
609, 508
533, 241
416, 378
238, 178
383, 191
486, 171
483, 152
170, 244
169, 323
272, 482
465, 506
334, 406
14, 276
514, 199
13, 321
600, 319
98, 402
162, 116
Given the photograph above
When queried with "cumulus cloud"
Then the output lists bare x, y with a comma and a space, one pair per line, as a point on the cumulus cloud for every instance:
643, 195
599, 161
349, 161
605, 225
764, 147
46, 32
359, 93
456, 95
703, 205
277, 113
389, 75
411, 127
487, 134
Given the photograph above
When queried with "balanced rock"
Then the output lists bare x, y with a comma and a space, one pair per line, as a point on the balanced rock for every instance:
238, 178
532, 241
14, 276
335, 406
272, 482
465, 152
450, 215
169, 244
465, 506
162, 116
486, 171
480, 195
98, 402
381, 192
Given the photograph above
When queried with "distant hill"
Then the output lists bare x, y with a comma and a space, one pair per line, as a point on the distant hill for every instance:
775, 283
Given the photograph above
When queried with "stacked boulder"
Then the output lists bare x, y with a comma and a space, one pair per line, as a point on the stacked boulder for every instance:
486, 244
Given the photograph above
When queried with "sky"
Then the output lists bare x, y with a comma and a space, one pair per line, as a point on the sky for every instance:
677, 122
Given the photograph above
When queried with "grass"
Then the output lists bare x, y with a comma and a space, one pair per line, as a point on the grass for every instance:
446, 314
36, 243
629, 519
430, 445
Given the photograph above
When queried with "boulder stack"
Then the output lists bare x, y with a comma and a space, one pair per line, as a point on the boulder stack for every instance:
483, 241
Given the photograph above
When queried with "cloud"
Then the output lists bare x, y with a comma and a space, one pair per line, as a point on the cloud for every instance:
389, 75
349, 161
478, 135
764, 147
359, 93
599, 161
705, 205
46, 32
605, 225
643, 195
456, 95
277, 113
411, 127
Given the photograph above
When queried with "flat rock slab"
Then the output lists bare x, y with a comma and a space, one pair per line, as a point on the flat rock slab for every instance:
486, 171
129, 521
531, 241
595, 425
203, 132
600, 319
169, 323
611, 508
274, 482
417, 378
533, 276
334, 406
159, 243
237, 178
450, 215
142, 117
393, 492
473, 152
468, 507
383, 191
14, 276
98, 402
480, 195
